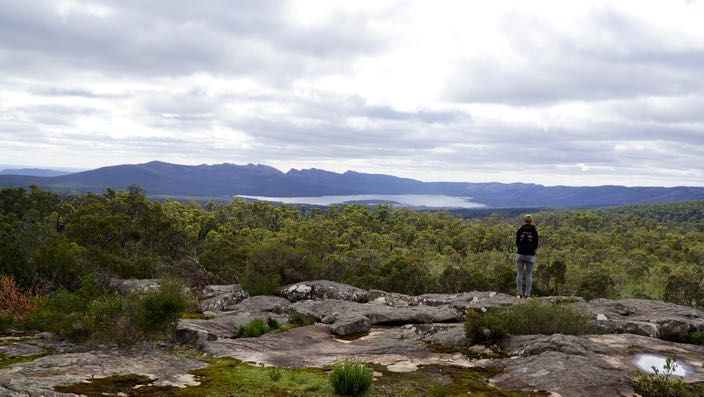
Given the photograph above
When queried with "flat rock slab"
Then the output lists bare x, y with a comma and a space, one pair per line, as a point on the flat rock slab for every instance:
39, 377
646, 317
397, 348
588, 365
340, 313
22, 350
461, 301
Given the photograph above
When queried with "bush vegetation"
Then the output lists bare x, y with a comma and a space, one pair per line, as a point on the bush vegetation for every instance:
52, 241
92, 313
531, 318
351, 377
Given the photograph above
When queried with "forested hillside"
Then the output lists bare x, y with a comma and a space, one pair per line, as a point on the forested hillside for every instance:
49, 241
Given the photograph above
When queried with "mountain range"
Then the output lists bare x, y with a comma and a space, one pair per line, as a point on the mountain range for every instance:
161, 180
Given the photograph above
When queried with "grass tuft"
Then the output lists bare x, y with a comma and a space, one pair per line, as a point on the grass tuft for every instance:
351, 377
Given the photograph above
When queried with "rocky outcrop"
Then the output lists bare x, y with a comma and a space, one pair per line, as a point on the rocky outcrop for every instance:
321, 290
221, 297
127, 286
399, 332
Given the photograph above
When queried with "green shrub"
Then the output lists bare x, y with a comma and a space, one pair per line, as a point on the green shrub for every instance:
531, 318
351, 377
157, 310
300, 320
253, 329
694, 338
659, 384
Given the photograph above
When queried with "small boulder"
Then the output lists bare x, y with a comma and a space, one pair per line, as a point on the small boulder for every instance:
221, 297
262, 303
127, 286
388, 298
322, 289
351, 326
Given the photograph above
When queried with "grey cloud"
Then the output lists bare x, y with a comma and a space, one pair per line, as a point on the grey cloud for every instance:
551, 66
177, 38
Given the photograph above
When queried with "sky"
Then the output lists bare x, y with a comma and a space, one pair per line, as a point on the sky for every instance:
550, 92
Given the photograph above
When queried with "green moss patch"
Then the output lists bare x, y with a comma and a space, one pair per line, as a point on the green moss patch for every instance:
7, 360
193, 316
231, 377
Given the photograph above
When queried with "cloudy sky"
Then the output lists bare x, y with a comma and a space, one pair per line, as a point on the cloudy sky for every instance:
558, 93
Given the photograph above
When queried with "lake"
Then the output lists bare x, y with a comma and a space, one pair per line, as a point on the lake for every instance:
397, 200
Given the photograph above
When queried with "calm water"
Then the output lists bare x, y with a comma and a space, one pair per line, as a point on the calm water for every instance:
401, 200
646, 362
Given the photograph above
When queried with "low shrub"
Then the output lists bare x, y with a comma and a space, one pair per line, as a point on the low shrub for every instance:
534, 317
351, 377
694, 338
659, 384
157, 310
300, 320
253, 329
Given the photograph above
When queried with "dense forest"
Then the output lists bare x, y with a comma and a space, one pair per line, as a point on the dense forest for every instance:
51, 241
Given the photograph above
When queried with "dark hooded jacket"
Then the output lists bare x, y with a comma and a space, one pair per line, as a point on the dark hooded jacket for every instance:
527, 239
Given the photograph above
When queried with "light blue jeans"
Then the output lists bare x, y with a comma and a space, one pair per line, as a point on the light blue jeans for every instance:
524, 263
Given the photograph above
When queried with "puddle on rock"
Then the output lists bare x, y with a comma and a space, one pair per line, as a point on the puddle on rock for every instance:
646, 362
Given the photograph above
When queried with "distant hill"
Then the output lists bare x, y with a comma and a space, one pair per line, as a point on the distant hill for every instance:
32, 172
225, 180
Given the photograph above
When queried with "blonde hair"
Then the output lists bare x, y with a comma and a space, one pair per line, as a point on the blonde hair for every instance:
528, 218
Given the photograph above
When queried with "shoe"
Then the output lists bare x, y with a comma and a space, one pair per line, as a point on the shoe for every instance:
519, 296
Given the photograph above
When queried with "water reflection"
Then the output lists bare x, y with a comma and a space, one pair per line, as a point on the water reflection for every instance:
646, 362
399, 200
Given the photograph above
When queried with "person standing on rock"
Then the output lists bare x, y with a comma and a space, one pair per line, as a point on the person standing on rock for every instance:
527, 244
